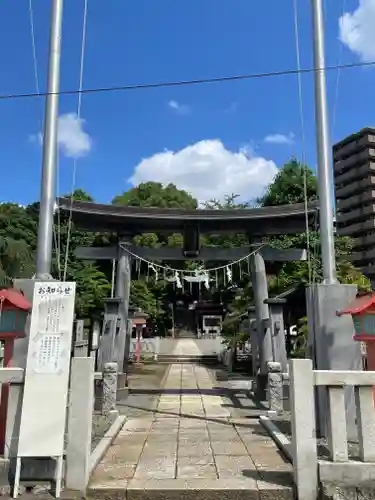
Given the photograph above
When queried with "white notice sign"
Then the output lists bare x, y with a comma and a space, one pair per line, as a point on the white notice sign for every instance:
47, 371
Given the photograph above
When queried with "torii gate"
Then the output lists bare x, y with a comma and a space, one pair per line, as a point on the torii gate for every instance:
129, 221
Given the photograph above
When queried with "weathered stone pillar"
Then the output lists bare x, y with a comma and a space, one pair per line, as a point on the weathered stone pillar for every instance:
253, 337
276, 307
107, 350
123, 283
260, 290
109, 407
275, 387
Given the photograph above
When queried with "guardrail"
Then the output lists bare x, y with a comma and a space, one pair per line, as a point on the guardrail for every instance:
339, 468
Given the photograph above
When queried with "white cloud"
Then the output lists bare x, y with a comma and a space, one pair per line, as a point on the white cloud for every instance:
181, 109
280, 138
72, 139
357, 30
208, 170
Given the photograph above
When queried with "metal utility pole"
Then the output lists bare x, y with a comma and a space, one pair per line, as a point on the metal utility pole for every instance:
325, 185
47, 197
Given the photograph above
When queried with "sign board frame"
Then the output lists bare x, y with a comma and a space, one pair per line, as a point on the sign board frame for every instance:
45, 396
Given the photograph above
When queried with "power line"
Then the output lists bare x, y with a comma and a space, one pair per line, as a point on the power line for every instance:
181, 83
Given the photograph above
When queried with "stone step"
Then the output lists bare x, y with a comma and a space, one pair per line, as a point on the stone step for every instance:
187, 358
233, 488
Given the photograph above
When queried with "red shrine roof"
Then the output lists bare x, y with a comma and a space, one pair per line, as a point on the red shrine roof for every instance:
360, 305
15, 298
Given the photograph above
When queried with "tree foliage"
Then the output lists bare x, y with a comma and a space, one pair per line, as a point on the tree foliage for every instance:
290, 185
154, 194
18, 237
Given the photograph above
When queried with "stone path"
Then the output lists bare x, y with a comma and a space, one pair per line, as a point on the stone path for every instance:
186, 347
193, 440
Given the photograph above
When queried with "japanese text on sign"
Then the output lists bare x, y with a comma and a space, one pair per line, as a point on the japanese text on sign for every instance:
48, 354
55, 290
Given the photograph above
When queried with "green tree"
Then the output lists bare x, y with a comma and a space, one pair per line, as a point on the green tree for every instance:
289, 186
17, 243
154, 194
151, 295
92, 283
229, 203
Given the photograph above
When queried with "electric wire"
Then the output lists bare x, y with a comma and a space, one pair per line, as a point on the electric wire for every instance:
337, 83
181, 83
303, 135
79, 105
56, 237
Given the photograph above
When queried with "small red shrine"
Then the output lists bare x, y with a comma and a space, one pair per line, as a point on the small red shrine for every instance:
362, 311
14, 309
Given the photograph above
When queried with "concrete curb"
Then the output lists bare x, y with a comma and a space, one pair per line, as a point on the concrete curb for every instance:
106, 442
281, 441
192, 489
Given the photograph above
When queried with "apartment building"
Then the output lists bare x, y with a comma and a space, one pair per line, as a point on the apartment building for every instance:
354, 179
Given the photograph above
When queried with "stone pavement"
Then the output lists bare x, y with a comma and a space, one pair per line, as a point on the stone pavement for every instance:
193, 443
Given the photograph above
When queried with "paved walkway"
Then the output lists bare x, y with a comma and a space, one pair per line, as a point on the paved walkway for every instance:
194, 440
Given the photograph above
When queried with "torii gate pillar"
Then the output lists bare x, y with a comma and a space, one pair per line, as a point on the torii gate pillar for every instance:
123, 283
116, 348
260, 290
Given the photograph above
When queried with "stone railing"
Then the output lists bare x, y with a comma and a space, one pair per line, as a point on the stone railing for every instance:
150, 348
81, 348
84, 395
78, 434
309, 470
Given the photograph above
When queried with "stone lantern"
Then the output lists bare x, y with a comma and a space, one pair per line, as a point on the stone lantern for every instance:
138, 319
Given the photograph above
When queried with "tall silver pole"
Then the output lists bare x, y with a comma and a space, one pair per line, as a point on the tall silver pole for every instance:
47, 197
325, 184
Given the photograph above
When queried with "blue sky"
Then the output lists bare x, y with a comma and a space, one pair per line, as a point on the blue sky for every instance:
209, 139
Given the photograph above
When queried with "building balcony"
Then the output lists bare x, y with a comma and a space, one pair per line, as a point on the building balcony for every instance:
363, 141
364, 241
358, 228
341, 166
358, 214
368, 271
355, 187
356, 174
363, 257
355, 201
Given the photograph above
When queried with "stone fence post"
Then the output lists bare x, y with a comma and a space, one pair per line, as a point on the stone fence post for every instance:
275, 387
81, 401
109, 407
304, 449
